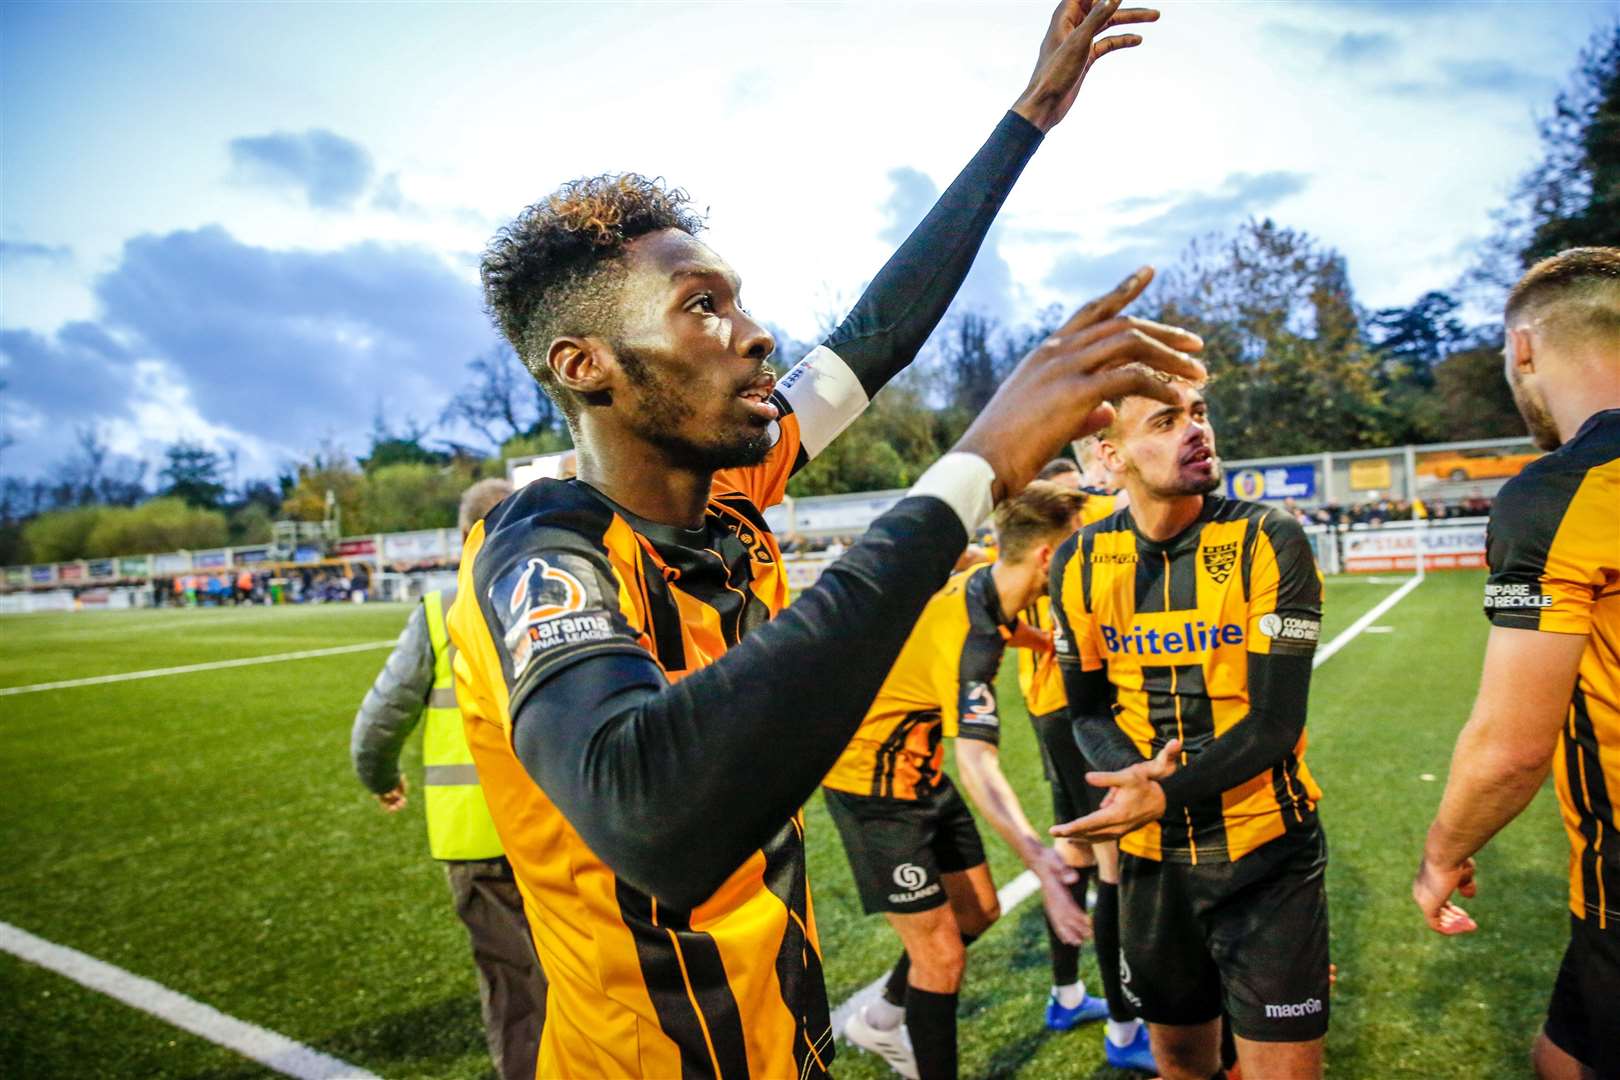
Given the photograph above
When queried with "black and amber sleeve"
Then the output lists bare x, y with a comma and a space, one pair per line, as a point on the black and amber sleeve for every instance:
675, 785
1283, 626
1546, 550
1085, 673
971, 711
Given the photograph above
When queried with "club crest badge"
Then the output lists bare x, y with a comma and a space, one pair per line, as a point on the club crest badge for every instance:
1219, 560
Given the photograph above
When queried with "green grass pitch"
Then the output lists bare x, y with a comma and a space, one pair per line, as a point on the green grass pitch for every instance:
205, 831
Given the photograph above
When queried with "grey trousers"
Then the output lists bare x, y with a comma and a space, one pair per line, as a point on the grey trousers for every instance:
511, 984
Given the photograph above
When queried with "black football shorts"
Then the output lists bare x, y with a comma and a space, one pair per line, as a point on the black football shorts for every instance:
1584, 1017
1066, 768
1249, 938
898, 848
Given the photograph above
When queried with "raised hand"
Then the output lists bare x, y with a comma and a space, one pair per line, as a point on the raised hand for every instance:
1059, 392
1069, 49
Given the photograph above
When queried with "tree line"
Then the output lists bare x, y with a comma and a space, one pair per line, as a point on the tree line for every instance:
1297, 364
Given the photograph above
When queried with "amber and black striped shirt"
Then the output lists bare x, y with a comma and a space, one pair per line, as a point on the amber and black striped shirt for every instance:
1554, 553
1205, 638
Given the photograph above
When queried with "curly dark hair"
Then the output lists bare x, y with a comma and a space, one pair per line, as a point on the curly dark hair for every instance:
553, 270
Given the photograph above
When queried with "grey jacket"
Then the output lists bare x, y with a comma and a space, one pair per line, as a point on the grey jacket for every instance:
394, 704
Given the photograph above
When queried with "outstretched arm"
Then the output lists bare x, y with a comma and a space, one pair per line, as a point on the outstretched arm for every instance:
908, 297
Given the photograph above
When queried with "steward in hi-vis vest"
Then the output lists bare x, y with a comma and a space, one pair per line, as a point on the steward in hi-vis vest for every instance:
416, 684
458, 820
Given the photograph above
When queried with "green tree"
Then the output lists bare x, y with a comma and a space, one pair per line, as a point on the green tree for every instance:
888, 447
1573, 196
1291, 370
1473, 398
194, 473
250, 523
411, 495
61, 535
166, 523
330, 470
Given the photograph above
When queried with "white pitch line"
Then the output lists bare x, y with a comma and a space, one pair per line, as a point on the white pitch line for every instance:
1351, 632
258, 1044
1025, 884
186, 669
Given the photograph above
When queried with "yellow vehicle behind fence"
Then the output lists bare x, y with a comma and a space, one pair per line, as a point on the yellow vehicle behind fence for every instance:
1482, 464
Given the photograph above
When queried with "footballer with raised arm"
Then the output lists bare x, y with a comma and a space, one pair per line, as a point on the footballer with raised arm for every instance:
1550, 693
646, 719
911, 841
1188, 622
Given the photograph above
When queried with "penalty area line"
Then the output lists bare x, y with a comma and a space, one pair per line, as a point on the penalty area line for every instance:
1026, 885
258, 1044
186, 669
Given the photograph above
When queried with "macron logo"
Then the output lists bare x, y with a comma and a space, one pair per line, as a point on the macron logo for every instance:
1193, 637
1308, 1007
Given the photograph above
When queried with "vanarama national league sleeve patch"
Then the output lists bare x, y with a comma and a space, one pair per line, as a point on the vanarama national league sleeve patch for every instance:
553, 606
977, 715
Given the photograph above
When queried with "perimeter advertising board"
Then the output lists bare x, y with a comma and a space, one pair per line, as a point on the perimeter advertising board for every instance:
427, 545
174, 562
1262, 483
1449, 546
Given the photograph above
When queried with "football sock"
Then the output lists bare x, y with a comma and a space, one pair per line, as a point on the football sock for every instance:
931, 1019
894, 991
884, 1014
1122, 1032
1069, 995
1105, 927
1228, 1044
1066, 957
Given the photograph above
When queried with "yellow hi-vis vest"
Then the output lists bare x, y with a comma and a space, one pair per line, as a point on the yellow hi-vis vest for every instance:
459, 825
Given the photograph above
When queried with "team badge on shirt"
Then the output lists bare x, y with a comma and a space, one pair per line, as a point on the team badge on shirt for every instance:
1219, 560
543, 607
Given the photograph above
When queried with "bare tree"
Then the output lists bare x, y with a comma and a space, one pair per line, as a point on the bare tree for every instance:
502, 399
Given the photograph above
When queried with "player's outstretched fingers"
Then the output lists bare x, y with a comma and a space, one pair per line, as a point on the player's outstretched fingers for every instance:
1113, 43
1454, 920
1109, 304
1139, 379
1173, 336
1126, 16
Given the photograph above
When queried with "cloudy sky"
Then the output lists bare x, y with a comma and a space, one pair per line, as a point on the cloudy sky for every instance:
258, 225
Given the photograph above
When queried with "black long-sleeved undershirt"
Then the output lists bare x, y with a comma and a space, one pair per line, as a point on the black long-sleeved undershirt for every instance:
903, 304
675, 785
